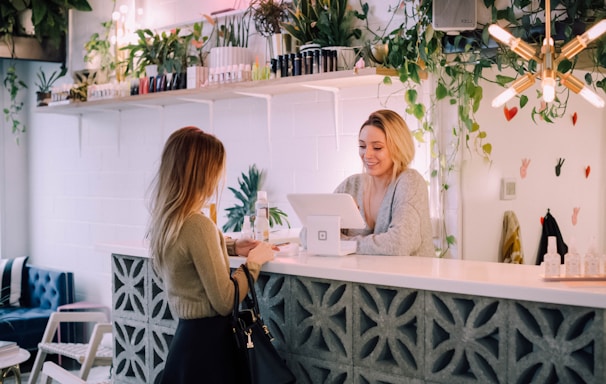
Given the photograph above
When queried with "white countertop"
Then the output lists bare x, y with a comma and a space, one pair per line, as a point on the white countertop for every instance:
507, 281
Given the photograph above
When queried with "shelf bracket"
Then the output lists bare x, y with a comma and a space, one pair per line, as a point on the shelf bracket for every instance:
268, 99
337, 105
211, 111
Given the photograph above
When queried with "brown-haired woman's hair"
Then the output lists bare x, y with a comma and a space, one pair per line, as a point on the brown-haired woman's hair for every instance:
397, 136
191, 166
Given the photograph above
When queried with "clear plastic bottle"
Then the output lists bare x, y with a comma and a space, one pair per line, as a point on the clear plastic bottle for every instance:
552, 259
572, 261
592, 260
261, 226
262, 203
246, 232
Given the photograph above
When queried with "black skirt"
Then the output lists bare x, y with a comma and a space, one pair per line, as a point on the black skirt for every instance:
202, 351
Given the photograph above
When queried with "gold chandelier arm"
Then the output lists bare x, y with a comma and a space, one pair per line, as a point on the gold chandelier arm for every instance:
577, 86
516, 44
518, 86
576, 45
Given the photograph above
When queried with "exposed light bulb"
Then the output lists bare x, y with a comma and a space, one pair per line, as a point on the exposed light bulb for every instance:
548, 84
504, 97
116, 16
499, 33
592, 97
596, 31
124, 9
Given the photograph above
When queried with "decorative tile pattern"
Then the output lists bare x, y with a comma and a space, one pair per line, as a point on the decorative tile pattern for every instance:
272, 293
340, 332
159, 310
552, 343
321, 319
131, 345
309, 370
388, 330
465, 339
129, 287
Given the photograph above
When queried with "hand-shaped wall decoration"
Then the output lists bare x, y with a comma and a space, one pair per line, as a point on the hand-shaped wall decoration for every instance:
524, 167
575, 214
558, 167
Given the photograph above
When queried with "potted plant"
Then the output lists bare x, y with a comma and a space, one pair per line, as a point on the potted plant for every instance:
44, 85
329, 23
247, 194
50, 24
268, 16
231, 41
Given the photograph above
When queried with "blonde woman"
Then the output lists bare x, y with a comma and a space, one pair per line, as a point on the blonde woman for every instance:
190, 255
392, 197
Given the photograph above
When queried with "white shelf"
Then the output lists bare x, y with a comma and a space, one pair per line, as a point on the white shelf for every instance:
332, 80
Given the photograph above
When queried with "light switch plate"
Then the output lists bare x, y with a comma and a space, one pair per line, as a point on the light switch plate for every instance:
508, 188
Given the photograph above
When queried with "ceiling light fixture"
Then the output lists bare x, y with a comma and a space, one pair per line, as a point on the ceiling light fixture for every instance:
548, 73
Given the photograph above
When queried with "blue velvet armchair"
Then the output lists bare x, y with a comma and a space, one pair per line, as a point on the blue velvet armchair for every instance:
43, 292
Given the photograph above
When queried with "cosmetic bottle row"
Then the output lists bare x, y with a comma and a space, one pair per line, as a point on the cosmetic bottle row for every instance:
304, 63
589, 266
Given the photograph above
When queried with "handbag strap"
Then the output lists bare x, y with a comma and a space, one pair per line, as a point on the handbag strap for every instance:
236, 308
252, 294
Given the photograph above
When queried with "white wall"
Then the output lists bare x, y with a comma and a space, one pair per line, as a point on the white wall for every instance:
89, 175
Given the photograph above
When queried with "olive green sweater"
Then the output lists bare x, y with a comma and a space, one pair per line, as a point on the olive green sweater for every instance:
196, 271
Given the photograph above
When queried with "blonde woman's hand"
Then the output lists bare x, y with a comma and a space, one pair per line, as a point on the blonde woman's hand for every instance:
261, 254
243, 246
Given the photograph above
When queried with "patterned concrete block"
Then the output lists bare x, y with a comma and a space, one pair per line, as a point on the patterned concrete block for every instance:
370, 376
321, 319
553, 343
273, 293
130, 285
132, 344
159, 310
388, 330
310, 370
161, 338
465, 338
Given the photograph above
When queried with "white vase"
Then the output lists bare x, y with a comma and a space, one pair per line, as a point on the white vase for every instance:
346, 57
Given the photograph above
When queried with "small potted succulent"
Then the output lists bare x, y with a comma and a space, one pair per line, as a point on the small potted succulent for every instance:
45, 84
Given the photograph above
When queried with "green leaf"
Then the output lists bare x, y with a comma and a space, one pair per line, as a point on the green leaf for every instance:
503, 80
523, 101
410, 96
441, 91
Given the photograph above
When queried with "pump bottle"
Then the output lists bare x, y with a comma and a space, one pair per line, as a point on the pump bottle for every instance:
552, 259
592, 260
572, 261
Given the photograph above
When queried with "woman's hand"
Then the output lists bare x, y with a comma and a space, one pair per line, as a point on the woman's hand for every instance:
243, 246
262, 253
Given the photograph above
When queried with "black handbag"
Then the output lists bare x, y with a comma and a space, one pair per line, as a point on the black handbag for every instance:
259, 359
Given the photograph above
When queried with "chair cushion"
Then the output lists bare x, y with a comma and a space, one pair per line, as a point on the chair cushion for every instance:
12, 278
24, 325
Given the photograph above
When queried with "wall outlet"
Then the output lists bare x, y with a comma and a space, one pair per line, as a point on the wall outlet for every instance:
508, 188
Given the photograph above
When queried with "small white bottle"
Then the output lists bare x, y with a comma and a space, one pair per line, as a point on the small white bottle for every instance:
572, 261
261, 226
246, 232
261, 203
592, 261
552, 259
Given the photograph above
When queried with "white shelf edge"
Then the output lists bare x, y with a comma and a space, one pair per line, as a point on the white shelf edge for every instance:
339, 79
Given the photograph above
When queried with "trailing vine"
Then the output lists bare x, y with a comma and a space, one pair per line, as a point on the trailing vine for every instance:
458, 63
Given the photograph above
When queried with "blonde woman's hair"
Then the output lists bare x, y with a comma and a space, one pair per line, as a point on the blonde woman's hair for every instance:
191, 166
397, 136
